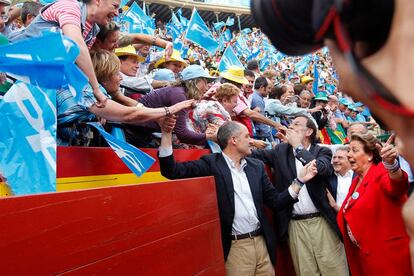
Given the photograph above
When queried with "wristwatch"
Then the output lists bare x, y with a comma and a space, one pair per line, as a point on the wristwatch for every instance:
299, 149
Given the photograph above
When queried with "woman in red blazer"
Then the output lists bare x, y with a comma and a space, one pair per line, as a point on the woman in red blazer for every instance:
370, 219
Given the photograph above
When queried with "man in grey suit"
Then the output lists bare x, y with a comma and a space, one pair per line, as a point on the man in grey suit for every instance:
242, 188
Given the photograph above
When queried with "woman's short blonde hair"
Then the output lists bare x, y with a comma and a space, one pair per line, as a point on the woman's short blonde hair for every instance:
105, 63
226, 91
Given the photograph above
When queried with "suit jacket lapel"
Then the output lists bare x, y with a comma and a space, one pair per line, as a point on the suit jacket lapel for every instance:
228, 181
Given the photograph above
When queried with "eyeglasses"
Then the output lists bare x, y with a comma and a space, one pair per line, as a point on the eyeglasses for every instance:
4, 17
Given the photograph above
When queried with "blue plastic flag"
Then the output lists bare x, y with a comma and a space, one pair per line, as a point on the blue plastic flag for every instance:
315, 79
330, 88
246, 31
136, 160
199, 33
254, 53
46, 2
49, 67
227, 35
302, 65
264, 63
175, 20
230, 21
278, 56
184, 21
229, 58
137, 21
28, 139
219, 25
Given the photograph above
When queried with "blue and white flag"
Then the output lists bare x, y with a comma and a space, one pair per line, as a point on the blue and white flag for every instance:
230, 21
254, 53
49, 67
137, 21
229, 58
28, 139
219, 25
246, 31
175, 20
227, 35
199, 33
302, 65
264, 63
315, 84
136, 160
184, 21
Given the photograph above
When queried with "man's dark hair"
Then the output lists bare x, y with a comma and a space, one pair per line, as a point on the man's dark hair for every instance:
249, 73
311, 124
253, 65
259, 82
30, 7
226, 131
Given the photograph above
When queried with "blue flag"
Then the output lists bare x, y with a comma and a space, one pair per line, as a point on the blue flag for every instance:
28, 139
219, 25
246, 31
315, 79
229, 58
49, 67
303, 64
199, 33
137, 21
136, 160
227, 35
230, 21
175, 20
183, 20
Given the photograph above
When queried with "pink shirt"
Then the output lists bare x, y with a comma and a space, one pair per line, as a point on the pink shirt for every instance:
67, 12
242, 104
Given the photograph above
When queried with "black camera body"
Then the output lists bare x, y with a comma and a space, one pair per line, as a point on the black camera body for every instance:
298, 27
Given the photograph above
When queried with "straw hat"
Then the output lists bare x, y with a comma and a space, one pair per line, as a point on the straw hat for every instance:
128, 51
176, 56
235, 74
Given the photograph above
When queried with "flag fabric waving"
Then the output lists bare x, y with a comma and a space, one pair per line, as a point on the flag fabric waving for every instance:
136, 160
49, 67
229, 58
28, 139
199, 33
137, 21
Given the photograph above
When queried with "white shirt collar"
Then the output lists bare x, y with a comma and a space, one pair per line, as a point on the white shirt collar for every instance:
347, 174
232, 165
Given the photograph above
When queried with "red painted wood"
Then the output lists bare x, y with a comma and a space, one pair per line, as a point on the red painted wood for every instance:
88, 161
169, 228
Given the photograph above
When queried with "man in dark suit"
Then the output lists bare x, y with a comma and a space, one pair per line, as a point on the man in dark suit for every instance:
309, 225
242, 188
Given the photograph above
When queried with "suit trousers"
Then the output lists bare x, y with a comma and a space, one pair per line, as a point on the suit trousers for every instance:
249, 257
316, 249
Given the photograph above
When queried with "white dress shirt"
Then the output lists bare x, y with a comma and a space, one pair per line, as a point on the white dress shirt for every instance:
344, 182
305, 204
245, 216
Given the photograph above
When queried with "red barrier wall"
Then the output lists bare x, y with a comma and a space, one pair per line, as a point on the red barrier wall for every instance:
169, 228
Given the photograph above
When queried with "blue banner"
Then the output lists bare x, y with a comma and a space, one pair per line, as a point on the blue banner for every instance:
303, 64
199, 33
183, 20
136, 160
227, 35
229, 58
175, 20
28, 139
31, 62
137, 21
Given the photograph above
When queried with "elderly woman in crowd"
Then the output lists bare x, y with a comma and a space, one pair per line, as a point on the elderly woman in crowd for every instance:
193, 84
370, 219
106, 66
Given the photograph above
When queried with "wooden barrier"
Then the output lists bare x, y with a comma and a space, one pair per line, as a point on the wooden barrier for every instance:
169, 228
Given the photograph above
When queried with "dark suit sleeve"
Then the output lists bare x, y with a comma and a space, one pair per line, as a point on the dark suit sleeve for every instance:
266, 156
323, 159
271, 198
173, 170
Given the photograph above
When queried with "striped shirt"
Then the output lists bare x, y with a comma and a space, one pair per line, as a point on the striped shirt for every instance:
67, 12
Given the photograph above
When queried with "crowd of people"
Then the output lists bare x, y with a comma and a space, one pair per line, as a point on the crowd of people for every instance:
339, 183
